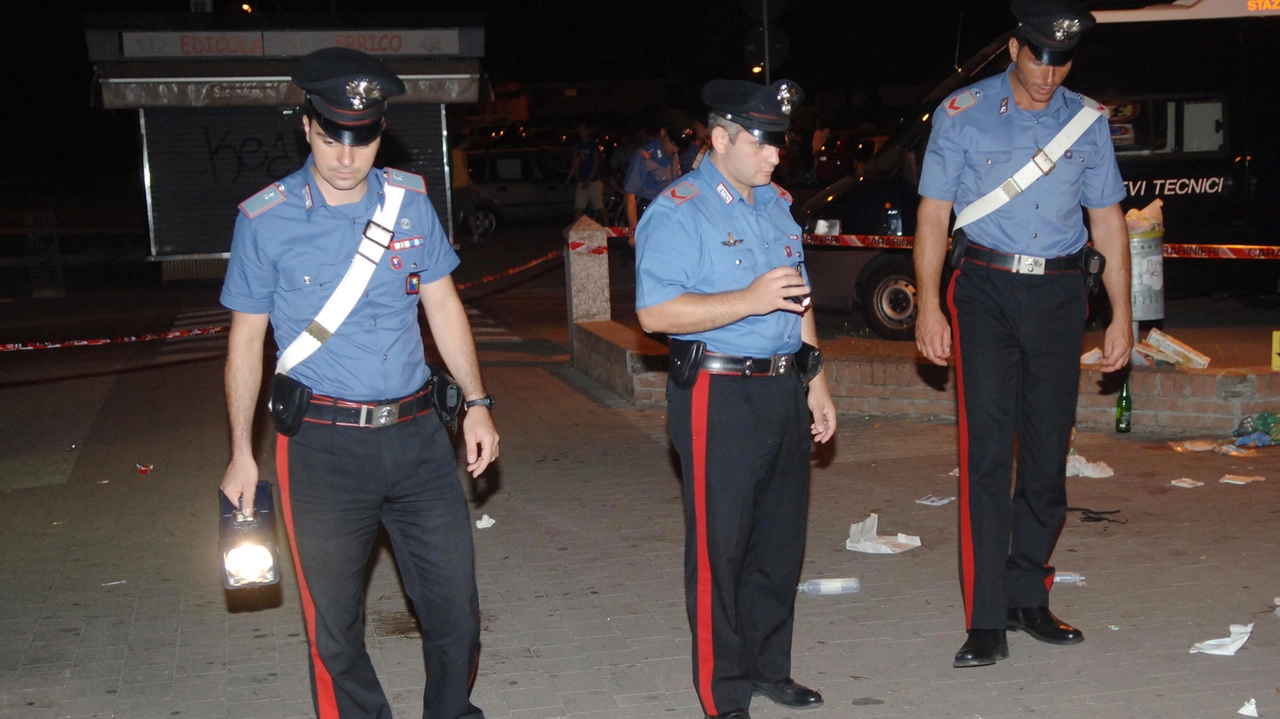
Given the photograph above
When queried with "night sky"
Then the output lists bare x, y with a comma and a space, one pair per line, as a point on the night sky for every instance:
834, 45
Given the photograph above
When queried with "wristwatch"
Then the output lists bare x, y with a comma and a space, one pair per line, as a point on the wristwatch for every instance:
485, 401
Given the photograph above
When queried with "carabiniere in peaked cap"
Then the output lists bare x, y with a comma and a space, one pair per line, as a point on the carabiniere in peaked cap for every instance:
763, 110
348, 91
1051, 29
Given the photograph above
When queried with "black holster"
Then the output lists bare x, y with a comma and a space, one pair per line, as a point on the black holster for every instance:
809, 362
959, 243
1092, 263
686, 358
447, 396
289, 400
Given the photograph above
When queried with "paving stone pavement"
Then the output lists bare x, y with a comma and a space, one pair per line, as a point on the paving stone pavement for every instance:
111, 603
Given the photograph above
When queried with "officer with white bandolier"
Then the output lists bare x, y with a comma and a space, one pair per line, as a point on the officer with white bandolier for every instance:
336, 258
1017, 155
719, 269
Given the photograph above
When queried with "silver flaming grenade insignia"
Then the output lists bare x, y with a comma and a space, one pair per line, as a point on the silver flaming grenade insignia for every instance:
786, 95
1065, 28
361, 92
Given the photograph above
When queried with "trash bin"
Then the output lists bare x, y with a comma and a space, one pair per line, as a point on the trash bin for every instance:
1146, 293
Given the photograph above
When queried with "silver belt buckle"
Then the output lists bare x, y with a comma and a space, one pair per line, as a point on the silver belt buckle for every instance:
779, 365
1043, 162
379, 415
1028, 265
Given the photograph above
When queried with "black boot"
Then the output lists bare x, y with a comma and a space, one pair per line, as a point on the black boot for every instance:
1040, 623
983, 647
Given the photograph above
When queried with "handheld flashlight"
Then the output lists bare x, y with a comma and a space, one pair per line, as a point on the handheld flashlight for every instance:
250, 557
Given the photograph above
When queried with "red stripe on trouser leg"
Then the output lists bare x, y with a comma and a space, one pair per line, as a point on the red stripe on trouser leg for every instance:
1048, 581
326, 701
706, 648
966, 525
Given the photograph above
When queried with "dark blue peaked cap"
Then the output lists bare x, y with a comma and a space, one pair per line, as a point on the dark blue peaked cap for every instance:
1051, 29
348, 91
763, 110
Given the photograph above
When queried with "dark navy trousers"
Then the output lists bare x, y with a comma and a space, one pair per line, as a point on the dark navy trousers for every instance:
338, 484
744, 446
1017, 341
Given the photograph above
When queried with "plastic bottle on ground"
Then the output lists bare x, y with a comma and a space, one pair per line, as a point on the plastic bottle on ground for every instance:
830, 586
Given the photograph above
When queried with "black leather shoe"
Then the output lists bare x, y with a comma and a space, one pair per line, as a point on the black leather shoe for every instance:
983, 647
735, 714
1040, 623
789, 694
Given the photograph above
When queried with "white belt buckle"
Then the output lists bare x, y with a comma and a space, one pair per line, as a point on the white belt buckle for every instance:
1028, 265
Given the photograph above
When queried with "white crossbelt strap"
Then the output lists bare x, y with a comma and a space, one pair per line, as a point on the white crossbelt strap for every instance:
377, 236
1042, 163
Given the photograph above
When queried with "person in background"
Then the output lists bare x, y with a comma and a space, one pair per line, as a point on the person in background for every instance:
585, 174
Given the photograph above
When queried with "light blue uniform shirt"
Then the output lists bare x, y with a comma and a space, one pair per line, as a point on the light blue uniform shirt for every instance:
701, 237
288, 258
650, 171
981, 138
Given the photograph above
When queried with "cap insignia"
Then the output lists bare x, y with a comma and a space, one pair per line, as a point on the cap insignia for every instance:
1064, 28
786, 96
361, 92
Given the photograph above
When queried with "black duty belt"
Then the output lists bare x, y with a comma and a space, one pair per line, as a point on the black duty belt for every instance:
331, 410
1021, 264
774, 366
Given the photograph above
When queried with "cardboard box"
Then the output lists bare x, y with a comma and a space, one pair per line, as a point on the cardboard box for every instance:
1183, 354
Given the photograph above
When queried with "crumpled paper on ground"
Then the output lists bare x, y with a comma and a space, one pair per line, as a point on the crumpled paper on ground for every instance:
1078, 466
485, 522
1227, 646
863, 538
1187, 483
1193, 445
1250, 709
1239, 479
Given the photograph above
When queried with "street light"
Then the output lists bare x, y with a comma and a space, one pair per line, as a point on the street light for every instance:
246, 7
757, 70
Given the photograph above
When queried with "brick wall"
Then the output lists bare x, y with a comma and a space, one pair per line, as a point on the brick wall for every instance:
634, 366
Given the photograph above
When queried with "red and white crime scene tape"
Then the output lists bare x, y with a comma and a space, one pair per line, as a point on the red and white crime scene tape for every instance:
199, 331
13, 347
1207, 252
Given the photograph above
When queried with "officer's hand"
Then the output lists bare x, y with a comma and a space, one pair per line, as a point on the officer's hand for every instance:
240, 482
933, 335
769, 292
1117, 346
478, 429
823, 408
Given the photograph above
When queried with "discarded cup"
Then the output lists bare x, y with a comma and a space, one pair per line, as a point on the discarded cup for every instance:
145, 468
830, 586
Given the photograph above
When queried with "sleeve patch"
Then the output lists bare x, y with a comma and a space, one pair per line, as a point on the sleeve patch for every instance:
682, 193
960, 103
407, 180
267, 197
782, 193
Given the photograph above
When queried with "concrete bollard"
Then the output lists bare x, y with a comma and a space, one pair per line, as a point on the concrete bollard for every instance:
586, 261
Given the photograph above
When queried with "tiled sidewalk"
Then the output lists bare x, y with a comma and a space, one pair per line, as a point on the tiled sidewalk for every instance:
580, 579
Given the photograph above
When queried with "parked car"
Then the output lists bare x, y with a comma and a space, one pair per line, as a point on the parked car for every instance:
520, 184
